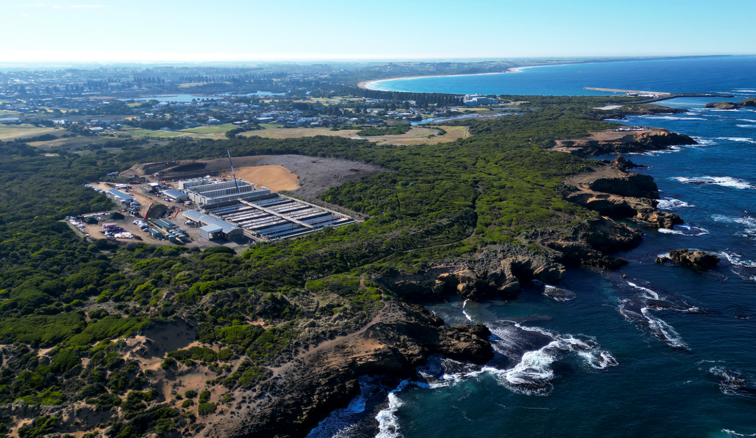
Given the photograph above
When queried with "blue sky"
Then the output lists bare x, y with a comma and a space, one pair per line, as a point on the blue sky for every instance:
241, 30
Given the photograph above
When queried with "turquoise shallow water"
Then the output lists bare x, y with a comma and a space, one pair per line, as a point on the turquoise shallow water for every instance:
605, 364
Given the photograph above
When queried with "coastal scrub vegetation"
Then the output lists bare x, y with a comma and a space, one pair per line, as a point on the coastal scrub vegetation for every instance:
67, 303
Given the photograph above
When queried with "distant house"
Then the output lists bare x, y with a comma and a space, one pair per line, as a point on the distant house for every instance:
96, 129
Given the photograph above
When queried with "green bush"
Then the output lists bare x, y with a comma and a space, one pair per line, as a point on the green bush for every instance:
206, 409
204, 396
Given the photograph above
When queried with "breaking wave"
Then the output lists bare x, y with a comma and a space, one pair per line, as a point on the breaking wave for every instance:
685, 230
388, 423
640, 309
733, 433
743, 268
737, 139
724, 181
671, 203
704, 141
673, 117
732, 382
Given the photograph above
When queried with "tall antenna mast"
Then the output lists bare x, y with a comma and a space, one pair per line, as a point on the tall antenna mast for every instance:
232, 172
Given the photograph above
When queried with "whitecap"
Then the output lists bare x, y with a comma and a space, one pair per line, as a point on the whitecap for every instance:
746, 126
742, 267
704, 141
732, 382
673, 118
747, 221
685, 230
737, 139
748, 120
724, 181
666, 331
733, 433
648, 292
671, 203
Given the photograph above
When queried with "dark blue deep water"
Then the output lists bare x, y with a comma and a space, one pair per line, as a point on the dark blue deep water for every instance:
608, 363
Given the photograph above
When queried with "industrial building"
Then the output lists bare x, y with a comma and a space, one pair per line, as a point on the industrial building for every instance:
208, 195
175, 195
279, 217
119, 196
213, 227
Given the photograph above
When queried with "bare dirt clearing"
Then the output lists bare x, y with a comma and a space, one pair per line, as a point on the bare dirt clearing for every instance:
316, 175
277, 178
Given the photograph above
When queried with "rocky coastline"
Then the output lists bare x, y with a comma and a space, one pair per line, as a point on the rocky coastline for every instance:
623, 142
748, 103
404, 335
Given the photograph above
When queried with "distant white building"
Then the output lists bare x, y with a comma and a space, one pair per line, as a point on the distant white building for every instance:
478, 99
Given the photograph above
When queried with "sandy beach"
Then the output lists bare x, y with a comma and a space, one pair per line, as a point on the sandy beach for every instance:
365, 84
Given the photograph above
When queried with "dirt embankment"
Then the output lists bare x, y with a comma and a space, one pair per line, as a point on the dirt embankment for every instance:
622, 142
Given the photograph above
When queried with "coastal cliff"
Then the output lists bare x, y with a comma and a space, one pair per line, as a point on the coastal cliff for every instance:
615, 193
303, 391
623, 141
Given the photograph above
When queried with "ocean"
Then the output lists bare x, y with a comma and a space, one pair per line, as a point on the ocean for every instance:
660, 352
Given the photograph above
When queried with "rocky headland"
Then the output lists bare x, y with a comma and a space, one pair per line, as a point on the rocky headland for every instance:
696, 260
751, 102
623, 141
616, 193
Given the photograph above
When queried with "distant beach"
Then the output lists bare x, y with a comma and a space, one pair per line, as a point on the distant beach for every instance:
370, 85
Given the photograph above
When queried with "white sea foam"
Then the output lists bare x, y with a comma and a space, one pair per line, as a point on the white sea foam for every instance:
747, 221
685, 230
747, 126
666, 331
671, 203
748, 120
724, 181
648, 292
704, 141
737, 259
673, 118
467, 315
388, 423
737, 139
533, 373
733, 433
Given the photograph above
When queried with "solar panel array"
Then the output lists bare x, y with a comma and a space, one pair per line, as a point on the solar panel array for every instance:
279, 217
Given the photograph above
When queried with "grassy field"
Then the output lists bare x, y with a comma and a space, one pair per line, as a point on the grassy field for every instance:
216, 132
215, 129
6, 113
12, 132
416, 136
